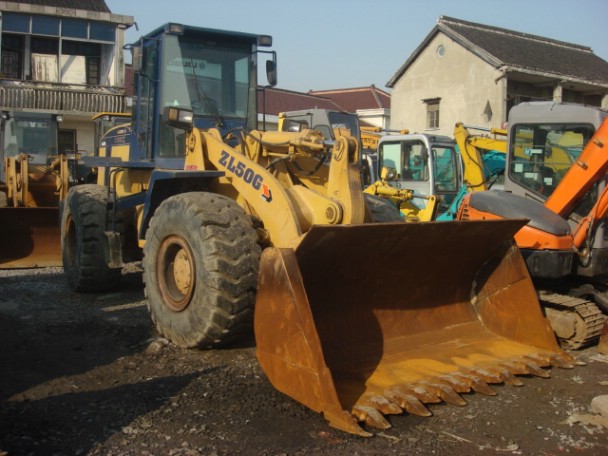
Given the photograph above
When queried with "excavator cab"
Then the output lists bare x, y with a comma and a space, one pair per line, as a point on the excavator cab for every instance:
545, 162
426, 164
545, 139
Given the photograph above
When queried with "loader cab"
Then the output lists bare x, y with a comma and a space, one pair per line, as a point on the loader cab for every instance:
428, 165
209, 74
329, 123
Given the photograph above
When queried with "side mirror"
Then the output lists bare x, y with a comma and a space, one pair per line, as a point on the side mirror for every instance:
271, 72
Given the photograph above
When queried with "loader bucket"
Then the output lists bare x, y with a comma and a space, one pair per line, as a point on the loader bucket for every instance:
362, 321
30, 237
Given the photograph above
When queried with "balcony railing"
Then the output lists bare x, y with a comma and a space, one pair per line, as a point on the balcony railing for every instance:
60, 98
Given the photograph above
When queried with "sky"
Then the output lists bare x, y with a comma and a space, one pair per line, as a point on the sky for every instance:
336, 44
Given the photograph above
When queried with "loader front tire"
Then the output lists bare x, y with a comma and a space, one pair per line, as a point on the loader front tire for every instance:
83, 222
201, 261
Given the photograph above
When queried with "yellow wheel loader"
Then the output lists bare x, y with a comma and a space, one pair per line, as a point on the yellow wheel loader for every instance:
235, 222
34, 179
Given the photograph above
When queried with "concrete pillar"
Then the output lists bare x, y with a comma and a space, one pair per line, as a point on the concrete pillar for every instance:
557, 93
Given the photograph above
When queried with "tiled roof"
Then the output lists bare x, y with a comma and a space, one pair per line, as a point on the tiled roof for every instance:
88, 5
351, 100
280, 100
519, 51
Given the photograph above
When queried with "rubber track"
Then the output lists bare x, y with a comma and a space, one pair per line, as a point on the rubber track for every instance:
587, 311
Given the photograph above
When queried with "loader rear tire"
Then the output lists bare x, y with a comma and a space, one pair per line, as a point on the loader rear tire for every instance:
381, 210
201, 261
83, 223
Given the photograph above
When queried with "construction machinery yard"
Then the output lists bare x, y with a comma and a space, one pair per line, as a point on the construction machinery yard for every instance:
368, 324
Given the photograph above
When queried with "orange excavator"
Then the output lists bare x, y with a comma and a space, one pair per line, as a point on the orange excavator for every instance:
565, 252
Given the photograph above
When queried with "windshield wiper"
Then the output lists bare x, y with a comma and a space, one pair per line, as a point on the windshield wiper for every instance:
209, 104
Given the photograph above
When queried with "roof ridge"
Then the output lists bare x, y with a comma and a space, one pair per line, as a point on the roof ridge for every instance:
448, 20
347, 89
89, 5
295, 92
376, 97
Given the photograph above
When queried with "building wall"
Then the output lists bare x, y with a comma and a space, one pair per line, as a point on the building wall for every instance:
69, 70
85, 132
470, 90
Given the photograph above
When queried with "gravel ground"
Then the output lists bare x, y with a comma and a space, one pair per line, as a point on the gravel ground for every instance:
86, 374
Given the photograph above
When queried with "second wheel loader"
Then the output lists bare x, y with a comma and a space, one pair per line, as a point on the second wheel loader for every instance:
235, 222
34, 180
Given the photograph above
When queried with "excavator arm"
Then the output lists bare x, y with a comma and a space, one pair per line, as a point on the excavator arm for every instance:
590, 166
470, 149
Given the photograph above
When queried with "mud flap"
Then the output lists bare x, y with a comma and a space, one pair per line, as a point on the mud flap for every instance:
363, 321
30, 237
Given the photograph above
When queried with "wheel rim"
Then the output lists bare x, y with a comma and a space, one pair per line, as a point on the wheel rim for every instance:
175, 273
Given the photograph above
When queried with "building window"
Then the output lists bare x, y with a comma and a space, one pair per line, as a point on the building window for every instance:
81, 62
12, 56
93, 70
44, 45
54, 26
102, 31
67, 141
66, 50
45, 25
74, 28
15, 23
432, 113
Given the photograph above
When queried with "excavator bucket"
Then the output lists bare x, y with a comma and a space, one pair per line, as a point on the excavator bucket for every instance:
30, 237
363, 321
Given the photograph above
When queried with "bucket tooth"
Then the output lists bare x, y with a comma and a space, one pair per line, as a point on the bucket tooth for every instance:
486, 375
477, 384
542, 360
535, 369
371, 417
508, 377
425, 394
408, 402
447, 394
380, 403
527, 367
346, 422
516, 367
457, 384
564, 362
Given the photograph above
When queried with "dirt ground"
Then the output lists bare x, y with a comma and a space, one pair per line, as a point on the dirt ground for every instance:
86, 374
